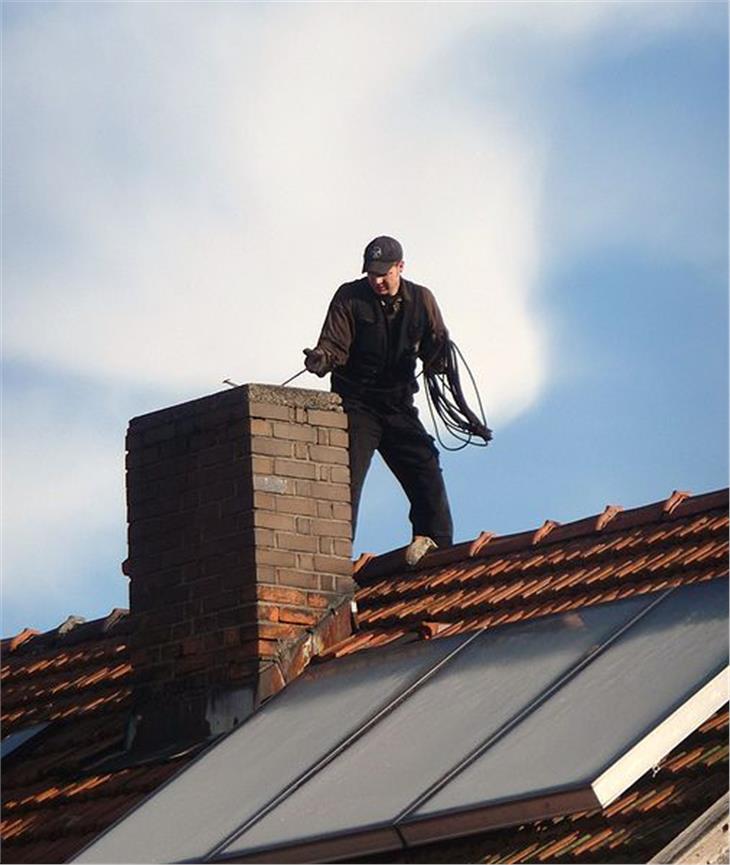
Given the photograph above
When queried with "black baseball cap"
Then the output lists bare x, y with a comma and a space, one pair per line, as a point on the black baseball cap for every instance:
381, 254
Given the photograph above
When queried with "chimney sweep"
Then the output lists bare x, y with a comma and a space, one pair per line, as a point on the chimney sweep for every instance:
375, 330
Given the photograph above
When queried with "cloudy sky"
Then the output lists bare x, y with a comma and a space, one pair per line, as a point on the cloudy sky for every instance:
185, 185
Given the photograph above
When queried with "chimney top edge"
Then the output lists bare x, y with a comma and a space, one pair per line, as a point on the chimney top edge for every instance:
242, 395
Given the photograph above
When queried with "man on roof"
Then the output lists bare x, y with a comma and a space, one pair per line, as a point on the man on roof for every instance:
375, 330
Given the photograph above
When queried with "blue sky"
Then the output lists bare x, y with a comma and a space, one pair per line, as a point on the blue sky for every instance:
187, 184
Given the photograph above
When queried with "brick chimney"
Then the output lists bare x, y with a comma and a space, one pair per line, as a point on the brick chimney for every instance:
239, 551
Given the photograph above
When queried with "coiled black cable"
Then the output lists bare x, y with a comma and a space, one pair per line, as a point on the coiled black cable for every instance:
445, 398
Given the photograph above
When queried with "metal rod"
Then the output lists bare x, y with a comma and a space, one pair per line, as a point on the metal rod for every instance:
284, 383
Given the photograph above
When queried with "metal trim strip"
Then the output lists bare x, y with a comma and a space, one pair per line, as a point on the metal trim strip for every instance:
660, 741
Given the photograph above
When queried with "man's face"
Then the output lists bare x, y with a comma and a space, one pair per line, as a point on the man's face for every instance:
387, 283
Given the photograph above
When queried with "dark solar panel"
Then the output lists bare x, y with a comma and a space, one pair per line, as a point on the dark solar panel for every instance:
610, 705
469, 700
423, 741
231, 782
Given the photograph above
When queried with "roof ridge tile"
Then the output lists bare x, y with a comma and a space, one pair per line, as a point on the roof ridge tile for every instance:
370, 567
10, 644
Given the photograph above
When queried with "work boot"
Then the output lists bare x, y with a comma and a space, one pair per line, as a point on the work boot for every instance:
418, 548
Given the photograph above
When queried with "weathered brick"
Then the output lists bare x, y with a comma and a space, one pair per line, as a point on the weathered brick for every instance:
280, 558
333, 565
301, 450
305, 562
270, 410
295, 469
339, 474
343, 547
324, 454
224, 453
300, 579
341, 511
296, 505
287, 541
325, 510
274, 484
267, 612
179, 632
216, 492
281, 630
336, 419
213, 641
331, 492
280, 595
326, 546
261, 427
231, 637
272, 447
344, 585
295, 432
298, 616
271, 520
170, 651
192, 645
236, 616
318, 601
262, 465
303, 526
333, 528
189, 664
264, 500
303, 488
339, 438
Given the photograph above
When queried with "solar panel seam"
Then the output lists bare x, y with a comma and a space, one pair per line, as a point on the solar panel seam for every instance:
545, 695
331, 755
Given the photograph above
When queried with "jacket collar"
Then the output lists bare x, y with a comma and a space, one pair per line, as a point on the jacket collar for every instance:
405, 290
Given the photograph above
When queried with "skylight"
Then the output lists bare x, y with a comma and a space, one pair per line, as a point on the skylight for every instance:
14, 741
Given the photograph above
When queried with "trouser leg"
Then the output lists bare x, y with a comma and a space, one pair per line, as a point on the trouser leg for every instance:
365, 431
411, 455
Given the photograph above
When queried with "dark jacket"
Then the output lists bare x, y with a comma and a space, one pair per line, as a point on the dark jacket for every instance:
372, 344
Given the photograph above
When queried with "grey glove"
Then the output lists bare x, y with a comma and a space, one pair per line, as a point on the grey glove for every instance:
316, 361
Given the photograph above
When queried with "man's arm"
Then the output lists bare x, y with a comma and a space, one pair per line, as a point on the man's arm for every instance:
335, 340
436, 336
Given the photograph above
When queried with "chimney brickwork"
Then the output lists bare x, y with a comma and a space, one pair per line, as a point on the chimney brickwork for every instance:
239, 542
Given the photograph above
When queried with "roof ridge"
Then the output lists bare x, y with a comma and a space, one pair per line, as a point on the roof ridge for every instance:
680, 503
500, 580
30, 638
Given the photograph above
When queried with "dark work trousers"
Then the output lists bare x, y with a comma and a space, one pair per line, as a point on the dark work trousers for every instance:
409, 452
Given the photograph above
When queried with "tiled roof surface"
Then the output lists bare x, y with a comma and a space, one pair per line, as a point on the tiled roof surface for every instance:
78, 676
495, 580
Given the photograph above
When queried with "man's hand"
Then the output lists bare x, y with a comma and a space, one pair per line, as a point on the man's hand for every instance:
316, 361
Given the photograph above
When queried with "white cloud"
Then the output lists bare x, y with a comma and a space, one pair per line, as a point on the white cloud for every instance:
188, 183
205, 176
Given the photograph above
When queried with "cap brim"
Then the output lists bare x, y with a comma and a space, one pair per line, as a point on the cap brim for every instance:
378, 267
